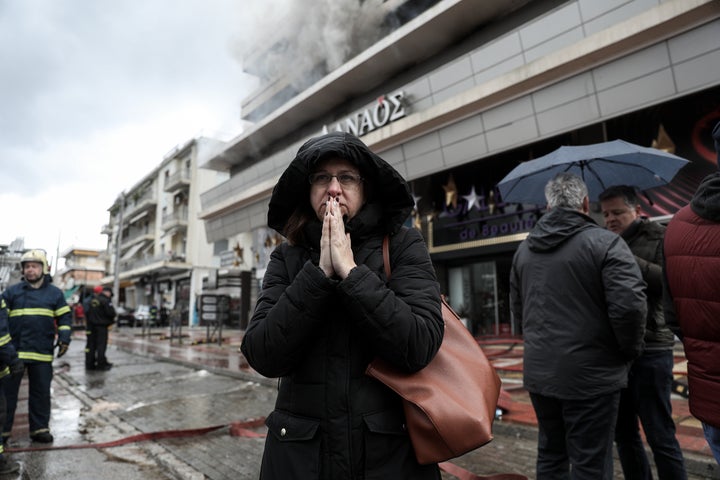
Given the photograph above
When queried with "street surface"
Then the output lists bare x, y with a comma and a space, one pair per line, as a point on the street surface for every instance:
143, 394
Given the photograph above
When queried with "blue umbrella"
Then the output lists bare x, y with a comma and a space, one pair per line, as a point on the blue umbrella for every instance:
600, 165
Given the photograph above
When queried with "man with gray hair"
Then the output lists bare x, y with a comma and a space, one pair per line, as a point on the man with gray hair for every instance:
579, 295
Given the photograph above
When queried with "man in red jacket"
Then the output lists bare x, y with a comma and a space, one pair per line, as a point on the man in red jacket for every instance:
692, 273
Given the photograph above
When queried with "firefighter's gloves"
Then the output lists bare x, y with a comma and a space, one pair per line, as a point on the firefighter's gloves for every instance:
17, 369
62, 348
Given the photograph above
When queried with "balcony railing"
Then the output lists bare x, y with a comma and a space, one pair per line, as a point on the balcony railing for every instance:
177, 180
136, 237
176, 218
143, 202
134, 263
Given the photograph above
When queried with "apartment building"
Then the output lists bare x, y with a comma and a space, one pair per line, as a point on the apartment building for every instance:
455, 95
83, 266
157, 251
10, 262
84, 269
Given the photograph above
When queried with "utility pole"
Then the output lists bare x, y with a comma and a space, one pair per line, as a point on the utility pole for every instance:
118, 240
57, 254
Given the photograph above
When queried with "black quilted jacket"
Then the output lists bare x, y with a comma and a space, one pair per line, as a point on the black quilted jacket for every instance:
645, 239
318, 334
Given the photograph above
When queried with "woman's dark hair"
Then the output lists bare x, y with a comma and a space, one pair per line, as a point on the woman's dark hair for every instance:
295, 226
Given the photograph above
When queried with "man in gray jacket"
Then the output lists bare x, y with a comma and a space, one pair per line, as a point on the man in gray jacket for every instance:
579, 294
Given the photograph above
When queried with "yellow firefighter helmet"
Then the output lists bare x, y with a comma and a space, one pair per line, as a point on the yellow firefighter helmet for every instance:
36, 256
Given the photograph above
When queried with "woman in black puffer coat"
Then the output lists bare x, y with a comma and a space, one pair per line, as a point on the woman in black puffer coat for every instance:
326, 310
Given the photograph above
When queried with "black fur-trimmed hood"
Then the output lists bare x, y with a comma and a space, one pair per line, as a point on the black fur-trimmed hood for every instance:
388, 191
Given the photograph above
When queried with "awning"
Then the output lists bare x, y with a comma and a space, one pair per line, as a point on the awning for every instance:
69, 292
138, 217
132, 250
148, 246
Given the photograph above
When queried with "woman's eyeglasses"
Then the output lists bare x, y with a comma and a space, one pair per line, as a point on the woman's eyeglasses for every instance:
345, 179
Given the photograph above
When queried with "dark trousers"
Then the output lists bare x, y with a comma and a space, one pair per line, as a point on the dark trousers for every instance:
647, 397
712, 436
40, 376
3, 414
575, 437
97, 338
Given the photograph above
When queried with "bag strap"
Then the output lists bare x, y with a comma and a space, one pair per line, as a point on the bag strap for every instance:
448, 467
386, 255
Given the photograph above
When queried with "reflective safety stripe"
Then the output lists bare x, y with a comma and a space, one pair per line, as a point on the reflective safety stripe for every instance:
4, 373
40, 357
2, 303
46, 312
64, 327
62, 311
5, 339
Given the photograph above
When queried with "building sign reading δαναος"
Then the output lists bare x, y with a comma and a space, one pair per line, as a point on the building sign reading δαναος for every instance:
387, 109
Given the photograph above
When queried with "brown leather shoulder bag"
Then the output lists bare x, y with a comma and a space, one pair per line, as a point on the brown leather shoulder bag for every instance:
450, 404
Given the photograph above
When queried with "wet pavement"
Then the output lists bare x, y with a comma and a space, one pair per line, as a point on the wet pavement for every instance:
159, 385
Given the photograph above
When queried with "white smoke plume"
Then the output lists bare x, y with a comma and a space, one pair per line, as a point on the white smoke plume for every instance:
303, 40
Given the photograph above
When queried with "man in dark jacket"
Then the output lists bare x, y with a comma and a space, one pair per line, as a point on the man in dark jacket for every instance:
647, 395
34, 306
692, 271
100, 315
326, 310
579, 294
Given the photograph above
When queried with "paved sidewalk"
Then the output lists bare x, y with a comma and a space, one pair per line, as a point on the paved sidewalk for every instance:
157, 385
194, 348
138, 396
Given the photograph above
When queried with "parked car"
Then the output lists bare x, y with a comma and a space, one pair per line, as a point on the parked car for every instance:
125, 317
142, 314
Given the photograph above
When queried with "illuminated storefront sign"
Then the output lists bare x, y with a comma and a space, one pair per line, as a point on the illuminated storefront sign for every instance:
448, 231
387, 109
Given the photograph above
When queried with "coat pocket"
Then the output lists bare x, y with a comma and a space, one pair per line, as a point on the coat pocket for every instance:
388, 452
292, 447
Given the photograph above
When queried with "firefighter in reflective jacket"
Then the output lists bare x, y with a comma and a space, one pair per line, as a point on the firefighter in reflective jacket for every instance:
34, 305
9, 364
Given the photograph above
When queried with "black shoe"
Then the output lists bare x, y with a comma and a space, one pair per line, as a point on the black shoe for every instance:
42, 437
90, 367
105, 367
8, 466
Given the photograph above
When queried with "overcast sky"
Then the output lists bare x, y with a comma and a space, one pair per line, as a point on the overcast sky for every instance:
93, 94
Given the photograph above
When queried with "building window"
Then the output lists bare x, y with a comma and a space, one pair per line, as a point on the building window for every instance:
220, 246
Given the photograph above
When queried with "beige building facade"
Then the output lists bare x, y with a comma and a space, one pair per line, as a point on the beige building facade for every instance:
463, 92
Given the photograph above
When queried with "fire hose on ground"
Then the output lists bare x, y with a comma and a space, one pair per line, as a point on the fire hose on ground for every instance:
239, 429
